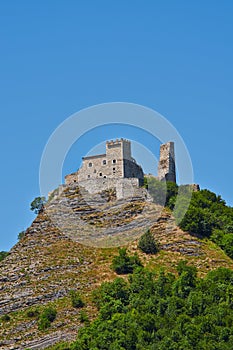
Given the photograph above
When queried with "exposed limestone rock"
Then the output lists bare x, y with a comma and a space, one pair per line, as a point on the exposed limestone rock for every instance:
93, 220
49, 261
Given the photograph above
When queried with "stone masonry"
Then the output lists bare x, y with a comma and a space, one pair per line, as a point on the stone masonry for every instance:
116, 163
118, 169
167, 167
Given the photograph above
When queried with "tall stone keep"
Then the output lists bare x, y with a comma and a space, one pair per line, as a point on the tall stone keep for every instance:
116, 163
166, 167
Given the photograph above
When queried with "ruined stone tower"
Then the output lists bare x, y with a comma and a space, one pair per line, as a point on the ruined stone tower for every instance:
166, 167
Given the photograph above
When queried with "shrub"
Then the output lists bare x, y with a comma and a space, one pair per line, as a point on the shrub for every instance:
147, 243
5, 318
32, 313
43, 323
21, 235
157, 190
3, 255
227, 244
76, 299
116, 290
162, 192
37, 204
46, 318
198, 221
123, 263
49, 313
84, 317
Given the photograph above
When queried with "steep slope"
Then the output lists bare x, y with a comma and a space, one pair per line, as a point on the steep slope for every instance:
100, 220
50, 260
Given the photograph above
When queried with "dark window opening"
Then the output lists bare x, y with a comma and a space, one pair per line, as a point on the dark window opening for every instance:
88, 176
90, 165
101, 174
114, 161
104, 162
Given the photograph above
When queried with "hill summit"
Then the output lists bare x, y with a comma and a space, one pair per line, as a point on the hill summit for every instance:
70, 246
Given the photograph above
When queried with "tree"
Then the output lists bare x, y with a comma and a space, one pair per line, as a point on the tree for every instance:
37, 204
186, 281
172, 191
162, 192
21, 235
3, 254
123, 263
147, 243
181, 317
227, 244
46, 318
157, 190
198, 220
76, 299
117, 290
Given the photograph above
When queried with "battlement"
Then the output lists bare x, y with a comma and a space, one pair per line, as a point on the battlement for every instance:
117, 142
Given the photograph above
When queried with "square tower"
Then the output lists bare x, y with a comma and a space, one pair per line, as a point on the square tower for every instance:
167, 167
116, 163
116, 153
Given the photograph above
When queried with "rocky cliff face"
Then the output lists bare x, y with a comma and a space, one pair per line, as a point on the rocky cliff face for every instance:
70, 245
41, 268
100, 220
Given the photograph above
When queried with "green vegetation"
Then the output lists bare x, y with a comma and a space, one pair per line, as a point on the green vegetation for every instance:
21, 235
163, 193
37, 204
123, 263
5, 318
46, 318
84, 317
3, 254
76, 299
162, 312
33, 313
207, 214
142, 310
147, 243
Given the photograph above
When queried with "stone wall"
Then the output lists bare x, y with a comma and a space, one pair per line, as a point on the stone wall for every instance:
132, 169
71, 178
101, 166
125, 188
117, 162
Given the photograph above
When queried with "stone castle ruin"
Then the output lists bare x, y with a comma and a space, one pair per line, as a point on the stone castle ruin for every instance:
117, 169
167, 165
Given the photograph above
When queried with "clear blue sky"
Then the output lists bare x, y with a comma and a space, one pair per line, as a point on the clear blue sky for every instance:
58, 57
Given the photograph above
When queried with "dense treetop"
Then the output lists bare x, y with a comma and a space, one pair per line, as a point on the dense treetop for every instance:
207, 214
162, 312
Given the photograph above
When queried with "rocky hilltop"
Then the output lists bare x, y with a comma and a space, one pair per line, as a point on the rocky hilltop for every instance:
70, 245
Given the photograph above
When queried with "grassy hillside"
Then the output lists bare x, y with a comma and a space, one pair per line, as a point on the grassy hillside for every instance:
46, 265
